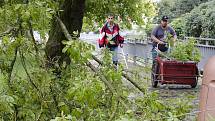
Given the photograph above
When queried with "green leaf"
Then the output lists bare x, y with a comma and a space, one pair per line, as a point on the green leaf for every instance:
17, 6
65, 49
61, 104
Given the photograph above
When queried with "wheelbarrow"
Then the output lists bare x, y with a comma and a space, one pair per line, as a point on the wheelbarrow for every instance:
167, 71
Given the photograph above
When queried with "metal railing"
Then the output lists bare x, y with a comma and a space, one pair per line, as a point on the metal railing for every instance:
142, 48
203, 41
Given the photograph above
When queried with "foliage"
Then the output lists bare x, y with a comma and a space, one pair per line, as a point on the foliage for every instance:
21, 15
169, 39
189, 17
78, 93
138, 11
191, 21
165, 8
149, 28
176, 8
186, 51
165, 110
179, 26
30, 90
200, 21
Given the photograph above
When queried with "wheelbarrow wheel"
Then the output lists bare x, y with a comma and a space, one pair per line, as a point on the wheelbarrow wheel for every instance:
154, 73
196, 79
154, 81
195, 83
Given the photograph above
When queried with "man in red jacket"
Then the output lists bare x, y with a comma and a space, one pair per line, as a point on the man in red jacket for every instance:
110, 37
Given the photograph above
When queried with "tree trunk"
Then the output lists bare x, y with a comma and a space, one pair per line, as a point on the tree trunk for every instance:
72, 16
1, 3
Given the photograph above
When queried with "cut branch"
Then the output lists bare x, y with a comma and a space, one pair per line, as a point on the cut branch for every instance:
63, 28
114, 111
33, 39
12, 65
7, 31
101, 76
26, 71
124, 75
111, 88
54, 97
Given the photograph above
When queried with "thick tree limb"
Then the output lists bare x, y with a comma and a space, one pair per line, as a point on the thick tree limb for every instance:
54, 97
63, 28
7, 31
133, 82
26, 71
12, 65
33, 39
114, 111
101, 76
68, 36
111, 88
124, 75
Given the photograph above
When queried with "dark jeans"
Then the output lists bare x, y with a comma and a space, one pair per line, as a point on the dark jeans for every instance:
114, 51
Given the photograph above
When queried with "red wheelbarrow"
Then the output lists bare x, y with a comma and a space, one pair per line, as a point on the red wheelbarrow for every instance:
174, 72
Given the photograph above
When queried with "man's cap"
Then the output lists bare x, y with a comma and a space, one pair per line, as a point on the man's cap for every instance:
165, 18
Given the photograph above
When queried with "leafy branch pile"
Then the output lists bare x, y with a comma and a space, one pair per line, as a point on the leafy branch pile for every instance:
186, 51
32, 90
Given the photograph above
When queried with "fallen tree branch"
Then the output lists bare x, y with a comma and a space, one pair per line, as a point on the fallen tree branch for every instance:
97, 60
100, 62
63, 28
33, 39
12, 66
114, 111
68, 36
124, 75
7, 31
54, 97
26, 71
133, 82
111, 88
101, 76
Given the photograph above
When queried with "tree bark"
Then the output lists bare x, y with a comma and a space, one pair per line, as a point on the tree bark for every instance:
1, 3
72, 16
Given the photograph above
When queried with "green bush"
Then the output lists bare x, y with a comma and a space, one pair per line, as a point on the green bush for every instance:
179, 27
186, 51
200, 22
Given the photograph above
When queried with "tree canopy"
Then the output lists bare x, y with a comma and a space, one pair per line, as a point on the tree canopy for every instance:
176, 8
200, 21
139, 11
197, 23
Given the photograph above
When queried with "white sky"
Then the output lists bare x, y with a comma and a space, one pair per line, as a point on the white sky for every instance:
155, 0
